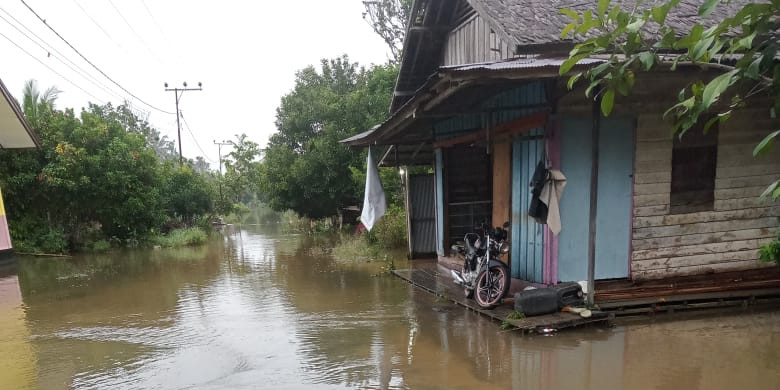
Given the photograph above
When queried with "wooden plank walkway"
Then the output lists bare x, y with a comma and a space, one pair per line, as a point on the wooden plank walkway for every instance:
437, 281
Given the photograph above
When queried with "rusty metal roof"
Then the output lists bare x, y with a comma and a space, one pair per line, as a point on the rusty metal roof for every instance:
518, 63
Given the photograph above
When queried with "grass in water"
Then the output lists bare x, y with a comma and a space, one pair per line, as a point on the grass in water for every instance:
181, 237
515, 315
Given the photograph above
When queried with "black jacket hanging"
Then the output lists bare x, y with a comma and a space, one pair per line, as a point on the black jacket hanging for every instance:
538, 210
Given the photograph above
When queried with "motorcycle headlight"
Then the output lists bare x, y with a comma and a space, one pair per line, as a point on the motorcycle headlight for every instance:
504, 248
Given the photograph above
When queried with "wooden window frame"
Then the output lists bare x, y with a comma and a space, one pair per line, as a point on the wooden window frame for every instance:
694, 169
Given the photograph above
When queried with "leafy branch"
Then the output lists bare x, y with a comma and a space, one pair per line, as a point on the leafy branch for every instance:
743, 46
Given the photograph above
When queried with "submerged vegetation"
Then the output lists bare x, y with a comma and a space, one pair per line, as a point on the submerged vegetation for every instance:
181, 237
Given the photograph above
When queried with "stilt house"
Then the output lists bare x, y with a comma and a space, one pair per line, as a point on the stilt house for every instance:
479, 99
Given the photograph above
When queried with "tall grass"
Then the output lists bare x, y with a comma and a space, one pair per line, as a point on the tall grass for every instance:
181, 237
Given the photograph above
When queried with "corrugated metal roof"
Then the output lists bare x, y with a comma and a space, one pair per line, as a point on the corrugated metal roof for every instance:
519, 63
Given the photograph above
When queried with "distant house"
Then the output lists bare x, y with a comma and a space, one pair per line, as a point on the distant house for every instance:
15, 133
479, 99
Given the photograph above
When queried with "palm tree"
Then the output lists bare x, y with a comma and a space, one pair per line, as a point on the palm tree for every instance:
35, 104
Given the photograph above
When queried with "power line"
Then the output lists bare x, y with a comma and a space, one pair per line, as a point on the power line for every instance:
78, 71
98, 25
90, 62
130, 26
50, 68
187, 125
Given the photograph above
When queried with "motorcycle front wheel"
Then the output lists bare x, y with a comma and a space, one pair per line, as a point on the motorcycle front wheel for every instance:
491, 287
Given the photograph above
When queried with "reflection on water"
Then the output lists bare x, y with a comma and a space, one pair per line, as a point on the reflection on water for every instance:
256, 309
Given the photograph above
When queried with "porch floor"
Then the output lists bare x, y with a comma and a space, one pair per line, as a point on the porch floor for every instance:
436, 279
690, 292
623, 297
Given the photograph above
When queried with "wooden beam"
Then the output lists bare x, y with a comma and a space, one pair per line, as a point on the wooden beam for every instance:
516, 126
594, 189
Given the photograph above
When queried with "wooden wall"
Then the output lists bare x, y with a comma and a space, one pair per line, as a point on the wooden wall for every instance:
474, 41
724, 239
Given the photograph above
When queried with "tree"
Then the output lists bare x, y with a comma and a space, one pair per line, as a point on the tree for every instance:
744, 45
242, 170
35, 103
388, 18
305, 168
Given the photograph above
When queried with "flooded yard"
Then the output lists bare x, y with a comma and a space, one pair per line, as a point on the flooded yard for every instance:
259, 309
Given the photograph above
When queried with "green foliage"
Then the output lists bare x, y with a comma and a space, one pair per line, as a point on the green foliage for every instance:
97, 176
305, 168
770, 252
390, 231
181, 237
636, 39
514, 315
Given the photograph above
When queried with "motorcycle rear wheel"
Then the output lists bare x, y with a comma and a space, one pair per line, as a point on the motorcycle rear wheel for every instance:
491, 287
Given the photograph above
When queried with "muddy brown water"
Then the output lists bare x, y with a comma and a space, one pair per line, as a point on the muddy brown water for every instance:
258, 309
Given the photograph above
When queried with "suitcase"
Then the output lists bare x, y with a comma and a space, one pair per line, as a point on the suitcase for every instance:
569, 294
537, 302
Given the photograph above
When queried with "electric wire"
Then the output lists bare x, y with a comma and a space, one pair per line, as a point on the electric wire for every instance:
91, 63
51, 69
95, 22
73, 67
130, 26
187, 125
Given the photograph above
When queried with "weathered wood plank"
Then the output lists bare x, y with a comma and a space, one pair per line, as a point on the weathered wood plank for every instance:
745, 181
736, 193
653, 166
702, 238
669, 263
653, 154
702, 249
698, 270
741, 203
653, 177
738, 171
652, 189
646, 211
651, 200
705, 216
704, 227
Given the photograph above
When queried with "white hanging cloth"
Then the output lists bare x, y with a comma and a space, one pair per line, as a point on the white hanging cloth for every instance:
374, 202
551, 196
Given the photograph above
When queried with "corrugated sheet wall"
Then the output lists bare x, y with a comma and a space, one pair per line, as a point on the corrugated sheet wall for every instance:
423, 213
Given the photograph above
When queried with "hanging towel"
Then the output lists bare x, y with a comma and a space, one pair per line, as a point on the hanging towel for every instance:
374, 203
551, 196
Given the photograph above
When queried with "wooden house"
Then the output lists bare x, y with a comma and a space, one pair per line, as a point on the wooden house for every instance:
479, 99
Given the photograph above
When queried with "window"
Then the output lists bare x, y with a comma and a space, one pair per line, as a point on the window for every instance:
694, 160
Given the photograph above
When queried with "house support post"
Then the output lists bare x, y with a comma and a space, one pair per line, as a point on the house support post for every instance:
594, 189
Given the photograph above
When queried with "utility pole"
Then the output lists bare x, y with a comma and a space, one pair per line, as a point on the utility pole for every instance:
178, 92
219, 147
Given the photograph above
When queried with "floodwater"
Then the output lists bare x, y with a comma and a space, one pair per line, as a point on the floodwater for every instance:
255, 309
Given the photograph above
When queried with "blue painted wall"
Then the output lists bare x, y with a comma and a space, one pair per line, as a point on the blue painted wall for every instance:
527, 235
613, 222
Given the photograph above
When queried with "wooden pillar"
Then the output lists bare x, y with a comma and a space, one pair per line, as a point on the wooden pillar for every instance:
502, 182
502, 186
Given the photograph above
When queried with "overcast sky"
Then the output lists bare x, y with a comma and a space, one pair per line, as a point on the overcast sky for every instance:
245, 53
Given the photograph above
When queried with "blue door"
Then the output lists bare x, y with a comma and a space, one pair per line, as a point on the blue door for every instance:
613, 220
527, 235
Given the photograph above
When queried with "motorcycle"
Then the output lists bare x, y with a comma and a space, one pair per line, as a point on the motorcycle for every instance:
484, 276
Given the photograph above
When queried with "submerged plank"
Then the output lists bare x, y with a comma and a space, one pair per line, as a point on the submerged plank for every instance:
442, 286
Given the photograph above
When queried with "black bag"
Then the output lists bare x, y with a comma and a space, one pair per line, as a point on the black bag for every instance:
538, 210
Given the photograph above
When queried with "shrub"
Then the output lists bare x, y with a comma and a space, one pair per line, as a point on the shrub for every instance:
770, 252
181, 237
390, 231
